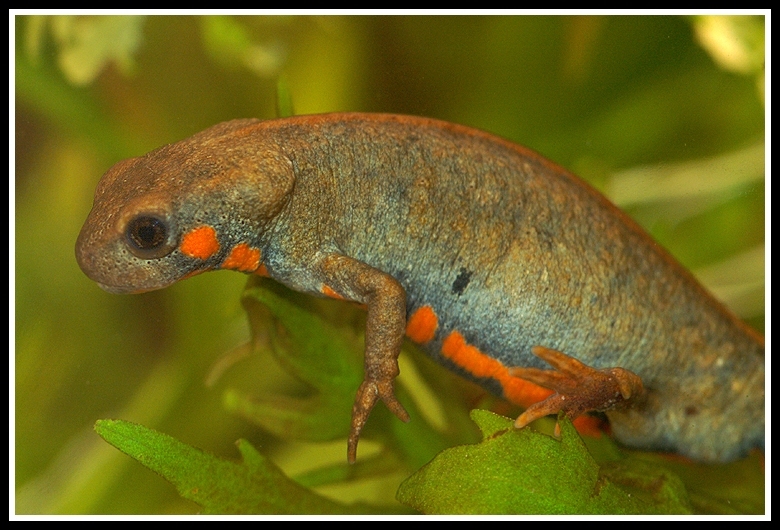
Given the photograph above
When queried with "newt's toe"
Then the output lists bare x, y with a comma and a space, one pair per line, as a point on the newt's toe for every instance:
578, 387
369, 393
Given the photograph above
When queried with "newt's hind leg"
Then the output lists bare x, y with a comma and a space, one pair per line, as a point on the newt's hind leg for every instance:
578, 387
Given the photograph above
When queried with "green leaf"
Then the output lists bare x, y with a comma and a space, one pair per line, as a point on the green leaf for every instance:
87, 45
253, 486
312, 350
228, 42
522, 471
320, 343
724, 489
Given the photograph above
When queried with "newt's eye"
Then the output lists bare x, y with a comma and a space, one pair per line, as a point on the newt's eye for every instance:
149, 237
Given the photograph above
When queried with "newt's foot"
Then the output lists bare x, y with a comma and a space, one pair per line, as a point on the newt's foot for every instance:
578, 387
367, 396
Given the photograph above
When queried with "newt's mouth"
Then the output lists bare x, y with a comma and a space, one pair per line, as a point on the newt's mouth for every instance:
120, 289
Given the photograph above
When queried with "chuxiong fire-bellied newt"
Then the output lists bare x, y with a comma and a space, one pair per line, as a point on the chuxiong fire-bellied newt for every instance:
494, 260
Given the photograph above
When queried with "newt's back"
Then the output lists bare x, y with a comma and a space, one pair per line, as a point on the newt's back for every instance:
510, 252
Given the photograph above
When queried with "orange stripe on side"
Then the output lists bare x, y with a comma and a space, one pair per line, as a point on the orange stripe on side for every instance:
471, 359
330, 293
242, 258
200, 243
589, 426
422, 325
262, 271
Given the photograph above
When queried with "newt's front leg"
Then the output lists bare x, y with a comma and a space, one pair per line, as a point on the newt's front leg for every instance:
385, 324
578, 387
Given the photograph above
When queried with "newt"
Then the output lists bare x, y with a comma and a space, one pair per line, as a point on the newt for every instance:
492, 259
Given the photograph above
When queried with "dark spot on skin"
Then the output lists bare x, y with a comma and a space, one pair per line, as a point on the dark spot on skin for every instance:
401, 277
461, 282
691, 411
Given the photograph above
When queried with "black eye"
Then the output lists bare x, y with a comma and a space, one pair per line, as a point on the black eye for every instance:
149, 237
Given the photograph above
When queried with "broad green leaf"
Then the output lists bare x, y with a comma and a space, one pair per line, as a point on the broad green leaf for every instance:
522, 471
320, 343
313, 351
252, 486
724, 489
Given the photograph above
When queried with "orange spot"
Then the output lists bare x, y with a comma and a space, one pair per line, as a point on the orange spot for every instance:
330, 293
242, 258
589, 426
471, 359
201, 243
327, 291
262, 270
422, 325
680, 459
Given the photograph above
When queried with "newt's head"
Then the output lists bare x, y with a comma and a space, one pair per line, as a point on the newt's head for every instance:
185, 208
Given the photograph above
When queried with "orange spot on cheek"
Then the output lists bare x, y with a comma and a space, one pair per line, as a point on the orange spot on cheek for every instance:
262, 271
200, 243
242, 258
422, 325
470, 358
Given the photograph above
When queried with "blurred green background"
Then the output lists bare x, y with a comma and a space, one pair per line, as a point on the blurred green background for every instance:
663, 114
